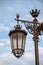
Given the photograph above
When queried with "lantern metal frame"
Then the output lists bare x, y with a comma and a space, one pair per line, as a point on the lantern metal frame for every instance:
18, 52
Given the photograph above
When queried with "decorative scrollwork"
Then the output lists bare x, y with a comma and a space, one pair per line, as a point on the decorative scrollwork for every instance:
29, 27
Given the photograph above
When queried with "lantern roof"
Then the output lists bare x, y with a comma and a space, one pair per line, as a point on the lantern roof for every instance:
18, 30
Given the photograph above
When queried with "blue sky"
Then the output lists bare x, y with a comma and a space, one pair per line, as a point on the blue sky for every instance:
8, 10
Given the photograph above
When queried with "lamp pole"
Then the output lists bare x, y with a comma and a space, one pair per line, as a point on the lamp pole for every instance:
35, 38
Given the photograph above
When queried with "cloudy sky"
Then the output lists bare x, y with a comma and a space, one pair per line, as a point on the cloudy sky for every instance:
8, 10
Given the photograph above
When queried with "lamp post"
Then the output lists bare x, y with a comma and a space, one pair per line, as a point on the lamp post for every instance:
18, 36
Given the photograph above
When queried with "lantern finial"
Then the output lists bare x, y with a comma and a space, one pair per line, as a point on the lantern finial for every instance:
18, 55
17, 19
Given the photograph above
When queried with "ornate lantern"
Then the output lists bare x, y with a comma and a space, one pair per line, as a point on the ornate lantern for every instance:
18, 39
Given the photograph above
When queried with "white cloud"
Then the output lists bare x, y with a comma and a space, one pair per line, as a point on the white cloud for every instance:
4, 28
1, 44
26, 59
41, 55
2, 63
41, 51
29, 56
5, 46
9, 58
5, 41
10, 24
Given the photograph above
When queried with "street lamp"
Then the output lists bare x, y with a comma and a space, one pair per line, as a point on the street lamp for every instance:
18, 39
18, 36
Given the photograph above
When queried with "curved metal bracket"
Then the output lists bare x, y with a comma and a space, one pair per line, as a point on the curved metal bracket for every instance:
29, 27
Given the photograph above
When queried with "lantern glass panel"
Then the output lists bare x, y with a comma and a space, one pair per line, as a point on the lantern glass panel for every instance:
12, 46
19, 40
14, 40
24, 41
